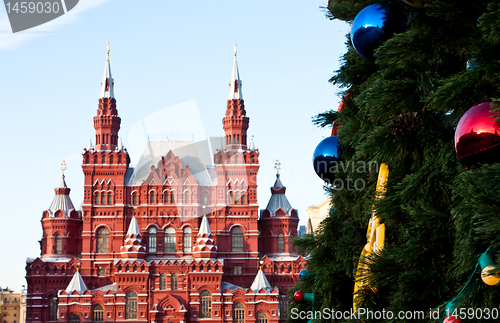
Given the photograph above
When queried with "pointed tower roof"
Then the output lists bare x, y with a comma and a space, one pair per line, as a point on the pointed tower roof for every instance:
77, 284
132, 248
260, 282
90, 147
62, 201
252, 145
278, 199
107, 83
204, 227
235, 84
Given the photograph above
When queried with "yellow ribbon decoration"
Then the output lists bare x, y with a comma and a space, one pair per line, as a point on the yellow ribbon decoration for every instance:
375, 235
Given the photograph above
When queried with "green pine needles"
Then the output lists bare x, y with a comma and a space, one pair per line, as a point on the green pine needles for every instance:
439, 216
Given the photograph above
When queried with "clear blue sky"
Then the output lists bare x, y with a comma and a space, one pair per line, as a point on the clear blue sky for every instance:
162, 53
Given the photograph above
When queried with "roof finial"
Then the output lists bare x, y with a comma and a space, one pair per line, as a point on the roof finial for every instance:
78, 264
107, 53
63, 166
277, 165
235, 51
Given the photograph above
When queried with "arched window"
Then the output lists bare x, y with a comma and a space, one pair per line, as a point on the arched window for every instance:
152, 198
236, 198
102, 240
281, 244
166, 197
73, 318
104, 159
58, 244
173, 282
131, 305
237, 239
187, 240
97, 313
96, 198
205, 198
243, 198
103, 198
187, 199
230, 199
172, 200
206, 304
53, 308
163, 282
236, 159
152, 240
170, 240
239, 313
110, 198
261, 317
134, 198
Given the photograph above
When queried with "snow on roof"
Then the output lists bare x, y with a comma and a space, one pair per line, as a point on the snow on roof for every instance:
77, 284
204, 227
232, 287
278, 198
260, 282
133, 228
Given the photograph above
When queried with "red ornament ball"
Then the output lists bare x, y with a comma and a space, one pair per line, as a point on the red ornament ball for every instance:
298, 296
451, 319
477, 138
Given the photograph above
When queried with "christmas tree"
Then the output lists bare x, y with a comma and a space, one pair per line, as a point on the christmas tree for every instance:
403, 98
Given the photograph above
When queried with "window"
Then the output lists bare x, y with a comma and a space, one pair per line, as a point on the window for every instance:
205, 198
103, 198
58, 244
73, 318
131, 305
97, 313
173, 282
230, 199
104, 159
96, 199
170, 240
134, 199
152, 198
172, 200
284, 306
243, 198
110, 198
101, 271
239, 313
237, 239
236, 159
166, 198
206, 304
237, 198
152, 240
281, 245
187, 199
53, 308
237, 270
163, 282
261, 317
102, 240
187, 240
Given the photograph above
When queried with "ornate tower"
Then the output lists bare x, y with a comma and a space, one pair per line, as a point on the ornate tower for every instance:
235, 122
278, 222
61, 225
107, 122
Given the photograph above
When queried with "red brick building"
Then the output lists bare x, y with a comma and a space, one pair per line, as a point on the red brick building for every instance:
163, 242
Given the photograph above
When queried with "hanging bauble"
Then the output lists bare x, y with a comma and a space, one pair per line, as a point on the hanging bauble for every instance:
451, 319
373, 25
303, 273
477, 139
487, 264
298, 296
326, 158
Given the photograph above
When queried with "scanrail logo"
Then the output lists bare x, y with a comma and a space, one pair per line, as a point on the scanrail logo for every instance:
28, 14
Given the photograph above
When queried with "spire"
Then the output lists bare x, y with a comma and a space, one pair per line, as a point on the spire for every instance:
204, 227
107, 83
90, 147
133, 228
278, 200
205, 246
235, 84
260, 282
77, 284
252, 145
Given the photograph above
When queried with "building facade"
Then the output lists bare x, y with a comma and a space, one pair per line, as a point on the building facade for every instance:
12, 306
171, 240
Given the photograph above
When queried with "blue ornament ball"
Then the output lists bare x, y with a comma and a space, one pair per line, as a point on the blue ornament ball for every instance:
326, 157
303, 273
374, 25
